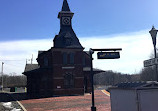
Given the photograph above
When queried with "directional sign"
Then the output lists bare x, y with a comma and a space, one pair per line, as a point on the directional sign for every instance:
108, 55
150, 62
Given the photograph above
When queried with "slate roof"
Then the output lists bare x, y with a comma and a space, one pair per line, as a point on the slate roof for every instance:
65, 6
40, 52
60, 40
87, 52
66, 37
94, 69
130, 84
31, 67
136, 85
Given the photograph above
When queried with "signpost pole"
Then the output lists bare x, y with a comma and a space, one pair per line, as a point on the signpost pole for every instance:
156, 64
101, 55
153, 33
93, 108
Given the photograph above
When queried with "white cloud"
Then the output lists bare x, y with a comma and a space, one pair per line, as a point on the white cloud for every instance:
136, 47
15, 53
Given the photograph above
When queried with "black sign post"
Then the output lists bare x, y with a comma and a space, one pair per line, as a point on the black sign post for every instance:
101, 55
93, 108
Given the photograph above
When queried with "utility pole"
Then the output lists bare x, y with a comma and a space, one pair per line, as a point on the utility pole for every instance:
2, 76
32, 59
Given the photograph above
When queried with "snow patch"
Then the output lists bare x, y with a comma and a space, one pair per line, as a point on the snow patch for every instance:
9, 106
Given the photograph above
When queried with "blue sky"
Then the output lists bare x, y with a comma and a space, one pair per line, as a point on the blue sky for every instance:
37, 19
27, 26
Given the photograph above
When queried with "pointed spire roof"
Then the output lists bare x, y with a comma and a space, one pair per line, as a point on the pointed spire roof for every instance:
65, 10
66, 37
65, 6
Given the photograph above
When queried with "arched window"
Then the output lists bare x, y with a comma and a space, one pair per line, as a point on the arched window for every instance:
69, 80
64, 58
71, 58
84, 61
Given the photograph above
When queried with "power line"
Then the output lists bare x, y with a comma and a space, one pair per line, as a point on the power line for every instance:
13, 65
12, 60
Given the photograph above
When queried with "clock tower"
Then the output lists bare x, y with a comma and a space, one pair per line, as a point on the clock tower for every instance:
65, 15
66, 37
68, 54
64, 69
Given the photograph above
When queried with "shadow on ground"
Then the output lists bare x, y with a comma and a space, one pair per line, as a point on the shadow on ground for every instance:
7, 97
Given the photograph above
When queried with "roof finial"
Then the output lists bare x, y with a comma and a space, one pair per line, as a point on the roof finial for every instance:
65, 6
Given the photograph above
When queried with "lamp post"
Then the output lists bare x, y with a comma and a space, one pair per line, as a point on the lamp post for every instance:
93, 108
104, 56
153, 33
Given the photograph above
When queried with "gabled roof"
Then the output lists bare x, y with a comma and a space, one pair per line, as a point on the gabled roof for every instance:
65, 6
87, 52
31, 67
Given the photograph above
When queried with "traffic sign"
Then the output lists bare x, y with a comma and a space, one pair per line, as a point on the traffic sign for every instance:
108, 55
150, 62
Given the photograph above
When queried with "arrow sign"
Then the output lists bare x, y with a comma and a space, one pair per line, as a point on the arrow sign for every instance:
150, 62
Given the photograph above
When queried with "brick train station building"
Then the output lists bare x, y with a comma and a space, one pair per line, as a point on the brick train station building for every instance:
64, 69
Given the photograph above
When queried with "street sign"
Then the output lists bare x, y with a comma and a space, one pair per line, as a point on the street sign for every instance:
150, 62
108, 55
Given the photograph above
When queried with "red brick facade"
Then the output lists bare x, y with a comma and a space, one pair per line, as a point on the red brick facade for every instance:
49, 78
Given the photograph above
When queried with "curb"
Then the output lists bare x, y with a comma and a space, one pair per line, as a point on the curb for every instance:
23, 108
105, 92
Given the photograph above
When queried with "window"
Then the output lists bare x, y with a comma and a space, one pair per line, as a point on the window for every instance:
45, 61
84, 61
64, 58
68, 59
69, 80
71, 58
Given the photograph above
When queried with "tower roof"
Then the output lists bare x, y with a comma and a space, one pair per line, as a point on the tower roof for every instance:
66, 37
65, 10
65, 6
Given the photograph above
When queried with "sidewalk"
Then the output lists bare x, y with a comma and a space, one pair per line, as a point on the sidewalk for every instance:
69, 103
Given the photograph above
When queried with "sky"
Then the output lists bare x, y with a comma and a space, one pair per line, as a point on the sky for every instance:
29, 26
